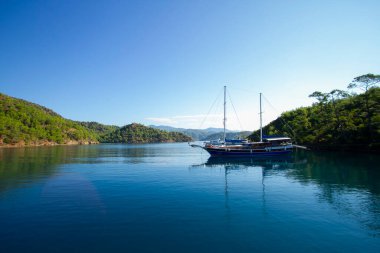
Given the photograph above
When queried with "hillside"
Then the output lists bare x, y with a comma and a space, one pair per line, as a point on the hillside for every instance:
24, 123
98, 129
137, 133
339, 120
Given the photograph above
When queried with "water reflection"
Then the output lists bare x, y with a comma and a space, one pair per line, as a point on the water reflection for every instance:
22, 166
339, 170
18, 166
240, 162
348, 182
331, 171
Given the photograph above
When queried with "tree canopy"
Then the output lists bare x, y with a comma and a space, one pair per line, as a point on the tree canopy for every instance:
339, 119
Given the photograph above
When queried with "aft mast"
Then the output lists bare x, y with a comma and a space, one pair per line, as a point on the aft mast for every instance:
224, 118
261, 122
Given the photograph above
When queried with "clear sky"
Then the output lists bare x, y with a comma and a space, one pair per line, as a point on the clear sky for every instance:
165, 62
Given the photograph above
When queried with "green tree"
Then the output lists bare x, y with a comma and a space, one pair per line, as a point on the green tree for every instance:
365, 83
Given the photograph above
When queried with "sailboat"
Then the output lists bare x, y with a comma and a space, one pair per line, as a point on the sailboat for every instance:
267, 146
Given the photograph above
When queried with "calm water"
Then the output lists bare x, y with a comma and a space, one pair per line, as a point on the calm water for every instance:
172, 198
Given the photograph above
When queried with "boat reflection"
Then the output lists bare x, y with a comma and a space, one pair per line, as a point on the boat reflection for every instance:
232, 163
262, 167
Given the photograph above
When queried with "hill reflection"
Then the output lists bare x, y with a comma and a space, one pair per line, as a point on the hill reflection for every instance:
338, 170
348, 182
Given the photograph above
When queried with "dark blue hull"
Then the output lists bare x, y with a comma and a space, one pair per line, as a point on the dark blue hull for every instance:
245, 153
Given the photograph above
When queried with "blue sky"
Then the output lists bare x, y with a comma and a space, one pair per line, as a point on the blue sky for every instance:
165, 62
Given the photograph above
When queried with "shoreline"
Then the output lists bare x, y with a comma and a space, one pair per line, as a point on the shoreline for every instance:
48, 144
362, 149
79, 143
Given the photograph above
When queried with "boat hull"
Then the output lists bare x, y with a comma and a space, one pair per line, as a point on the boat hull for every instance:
245, 153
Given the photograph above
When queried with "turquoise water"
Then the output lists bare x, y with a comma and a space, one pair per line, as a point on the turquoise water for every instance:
173, 198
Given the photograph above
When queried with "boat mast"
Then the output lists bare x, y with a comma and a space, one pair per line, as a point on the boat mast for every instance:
224, 118
261, 122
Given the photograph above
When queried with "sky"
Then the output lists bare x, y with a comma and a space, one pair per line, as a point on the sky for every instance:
166, 62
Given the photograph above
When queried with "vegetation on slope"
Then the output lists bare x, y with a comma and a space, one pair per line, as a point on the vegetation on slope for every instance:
339, 119
137, 133
98, 129
25, 123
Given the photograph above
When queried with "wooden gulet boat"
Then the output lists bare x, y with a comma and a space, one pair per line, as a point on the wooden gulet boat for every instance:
268, 146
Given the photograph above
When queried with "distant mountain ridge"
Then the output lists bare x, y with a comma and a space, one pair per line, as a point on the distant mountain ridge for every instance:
205, 134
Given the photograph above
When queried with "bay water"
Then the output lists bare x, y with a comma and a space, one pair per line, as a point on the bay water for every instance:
174, 198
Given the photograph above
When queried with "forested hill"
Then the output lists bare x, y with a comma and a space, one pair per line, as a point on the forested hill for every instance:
137, 133
338, 120
27, 124
99, 129
24, 123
